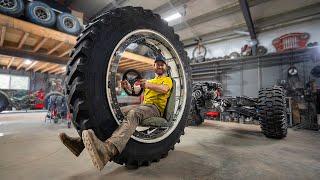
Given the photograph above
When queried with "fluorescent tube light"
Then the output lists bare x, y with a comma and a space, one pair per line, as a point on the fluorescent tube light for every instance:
173, 17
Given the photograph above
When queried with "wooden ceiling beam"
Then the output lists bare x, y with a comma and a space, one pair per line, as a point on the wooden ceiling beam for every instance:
34, 56
49, 68
20, 64
137, 57
61, 72
127, 63
31, 65
23, 40
40, 67
3, 35
10, 62
65, 53
59, 68
40, 44
55, 48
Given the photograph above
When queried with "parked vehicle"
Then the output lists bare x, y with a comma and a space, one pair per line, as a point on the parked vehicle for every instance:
21, 99
269, 108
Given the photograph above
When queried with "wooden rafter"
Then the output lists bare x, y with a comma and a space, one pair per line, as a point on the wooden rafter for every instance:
55, 48
49, 68
136, 66
3, 35
59, 68
23, 40
65, 53
123, 63
20, 64
31, 65
40, 67
10, 62
137, 57
61, 72
40, 44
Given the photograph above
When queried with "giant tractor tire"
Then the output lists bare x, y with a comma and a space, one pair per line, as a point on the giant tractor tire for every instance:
272, 112
91, 74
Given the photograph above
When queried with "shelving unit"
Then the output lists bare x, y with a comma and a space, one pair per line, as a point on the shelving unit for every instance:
47, 48
208, 69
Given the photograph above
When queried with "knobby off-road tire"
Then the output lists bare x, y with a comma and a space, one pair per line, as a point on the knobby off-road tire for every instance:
272, 112
86, 80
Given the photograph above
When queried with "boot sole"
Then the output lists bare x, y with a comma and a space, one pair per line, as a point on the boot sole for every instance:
69, 147
92, 150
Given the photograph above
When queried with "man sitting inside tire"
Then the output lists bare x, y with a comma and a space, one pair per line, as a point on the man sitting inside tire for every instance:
156, 93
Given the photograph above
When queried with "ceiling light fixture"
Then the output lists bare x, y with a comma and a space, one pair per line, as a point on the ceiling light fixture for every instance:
27, 61
173, 17
241, 32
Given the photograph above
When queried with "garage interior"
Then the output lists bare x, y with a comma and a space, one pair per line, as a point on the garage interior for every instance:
238, 52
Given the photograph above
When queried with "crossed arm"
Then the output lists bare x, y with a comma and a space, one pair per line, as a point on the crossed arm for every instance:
156, 87
145, 84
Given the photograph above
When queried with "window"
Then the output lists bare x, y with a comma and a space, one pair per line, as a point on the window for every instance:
4, 81
14, 82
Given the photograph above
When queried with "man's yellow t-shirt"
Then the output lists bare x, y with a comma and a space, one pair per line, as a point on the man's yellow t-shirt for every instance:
156, 98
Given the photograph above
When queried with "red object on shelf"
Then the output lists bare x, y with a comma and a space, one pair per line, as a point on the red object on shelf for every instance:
213, 114
291, 41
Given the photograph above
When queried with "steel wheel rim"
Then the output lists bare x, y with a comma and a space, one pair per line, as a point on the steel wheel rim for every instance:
42, 13
68, 22
177, 73
9, 4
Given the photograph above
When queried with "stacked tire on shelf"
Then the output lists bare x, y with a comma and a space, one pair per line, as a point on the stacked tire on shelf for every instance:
272, 112
41, 14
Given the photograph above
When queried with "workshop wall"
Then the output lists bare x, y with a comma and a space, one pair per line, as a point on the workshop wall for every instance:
37, 80
245, 81
265, 39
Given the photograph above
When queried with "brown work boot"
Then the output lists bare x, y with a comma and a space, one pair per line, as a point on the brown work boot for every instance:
100, 152
74, 144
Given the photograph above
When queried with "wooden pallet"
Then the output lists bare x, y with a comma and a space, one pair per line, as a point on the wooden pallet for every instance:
47, 49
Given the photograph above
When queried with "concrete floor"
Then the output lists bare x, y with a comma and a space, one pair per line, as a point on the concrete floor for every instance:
30, 149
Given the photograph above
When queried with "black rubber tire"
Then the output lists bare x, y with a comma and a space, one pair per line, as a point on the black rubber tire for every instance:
272, 112
195, 118
74, 30
86, 80
16, 10
198, 119
30, 14
4, 102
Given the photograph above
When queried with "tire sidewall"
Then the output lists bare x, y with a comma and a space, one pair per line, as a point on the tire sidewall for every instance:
60, 25
17, 11
102, 119
33, 18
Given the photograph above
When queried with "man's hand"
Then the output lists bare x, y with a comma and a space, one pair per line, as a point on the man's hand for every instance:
143, 83
125, 84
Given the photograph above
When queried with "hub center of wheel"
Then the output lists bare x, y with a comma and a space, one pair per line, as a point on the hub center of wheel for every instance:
8, 3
